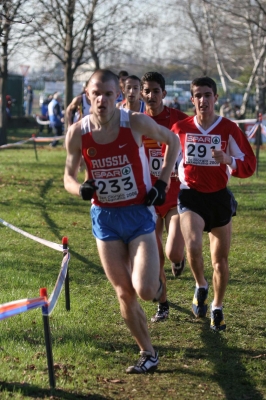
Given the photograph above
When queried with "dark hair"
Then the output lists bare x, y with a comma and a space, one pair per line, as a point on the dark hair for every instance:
134, 77
122, 73
203, 81
153, 77
105, 75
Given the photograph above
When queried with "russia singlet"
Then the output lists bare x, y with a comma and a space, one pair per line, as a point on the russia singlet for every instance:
120, 168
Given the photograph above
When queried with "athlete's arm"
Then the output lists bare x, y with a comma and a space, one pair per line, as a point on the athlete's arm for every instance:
242, 154
73, 148
142, 125
71, 108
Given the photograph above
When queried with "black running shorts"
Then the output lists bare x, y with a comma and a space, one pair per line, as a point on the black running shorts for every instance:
216, 208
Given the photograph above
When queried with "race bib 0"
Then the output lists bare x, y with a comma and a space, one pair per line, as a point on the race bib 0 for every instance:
198, 149
116, 184
156, 163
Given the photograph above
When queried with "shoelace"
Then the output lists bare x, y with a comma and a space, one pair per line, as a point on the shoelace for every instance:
217, 317
142, 361
201, 296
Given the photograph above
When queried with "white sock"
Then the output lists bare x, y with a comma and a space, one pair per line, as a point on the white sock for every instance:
216, 308
204, 287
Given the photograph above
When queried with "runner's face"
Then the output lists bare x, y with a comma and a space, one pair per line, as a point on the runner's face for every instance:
132, 90
153, 95
204, 100
103, 97
122, 80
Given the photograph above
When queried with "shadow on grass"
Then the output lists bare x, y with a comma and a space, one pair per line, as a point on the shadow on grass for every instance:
229, 364
56, 230
36, 392
229, 370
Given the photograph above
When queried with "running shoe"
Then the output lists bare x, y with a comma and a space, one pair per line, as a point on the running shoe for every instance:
177, 268
146, 363
162, 313
200, 302
217, 320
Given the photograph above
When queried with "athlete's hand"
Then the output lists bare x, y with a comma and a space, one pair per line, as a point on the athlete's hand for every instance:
221, 157
156, 196
87, 189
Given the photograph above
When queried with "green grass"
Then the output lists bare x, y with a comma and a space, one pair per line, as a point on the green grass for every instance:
91, 344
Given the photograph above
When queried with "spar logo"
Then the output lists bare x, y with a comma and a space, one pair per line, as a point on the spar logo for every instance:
126, 170
216, 140
155, 153
199, 139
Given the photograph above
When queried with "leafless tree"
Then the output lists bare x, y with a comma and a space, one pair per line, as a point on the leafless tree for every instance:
76, 32
249, 17
11, 14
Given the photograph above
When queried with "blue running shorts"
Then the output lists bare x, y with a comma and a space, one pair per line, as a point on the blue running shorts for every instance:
216, 208
122, 223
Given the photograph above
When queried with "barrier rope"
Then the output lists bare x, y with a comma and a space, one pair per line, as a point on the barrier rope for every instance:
19, 306
37, 139
47, 243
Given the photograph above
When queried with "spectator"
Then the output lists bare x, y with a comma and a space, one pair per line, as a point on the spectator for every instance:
55, 117
175, 104
29, 99
44, 114
8, 105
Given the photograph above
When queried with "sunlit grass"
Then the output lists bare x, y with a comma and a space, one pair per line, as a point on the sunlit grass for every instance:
91, 344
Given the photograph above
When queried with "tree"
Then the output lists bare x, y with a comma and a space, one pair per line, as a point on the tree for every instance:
76, 32
11, 14
251, 17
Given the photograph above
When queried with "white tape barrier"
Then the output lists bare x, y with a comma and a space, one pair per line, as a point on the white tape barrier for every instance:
4, 146
41, 122
55, 246
33, 139
244, 121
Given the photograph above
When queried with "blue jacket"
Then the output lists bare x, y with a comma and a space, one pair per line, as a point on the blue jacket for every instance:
54, 113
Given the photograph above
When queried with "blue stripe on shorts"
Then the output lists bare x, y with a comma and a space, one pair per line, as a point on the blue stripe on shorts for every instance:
122, 223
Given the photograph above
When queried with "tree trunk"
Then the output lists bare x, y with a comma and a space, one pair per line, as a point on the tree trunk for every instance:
252, 78
69, 52
214, 47
94, 54
3, 117
3, 89
68, 85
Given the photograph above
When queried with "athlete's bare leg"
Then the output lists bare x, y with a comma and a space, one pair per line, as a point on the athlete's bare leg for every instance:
133, 270
159, 238
220, 239
174, 248
192, 226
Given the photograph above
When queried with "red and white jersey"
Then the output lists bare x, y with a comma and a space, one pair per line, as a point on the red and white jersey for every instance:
120, 168
168, 117
198, 170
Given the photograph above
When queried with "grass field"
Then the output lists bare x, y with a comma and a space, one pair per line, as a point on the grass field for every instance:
91, 345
